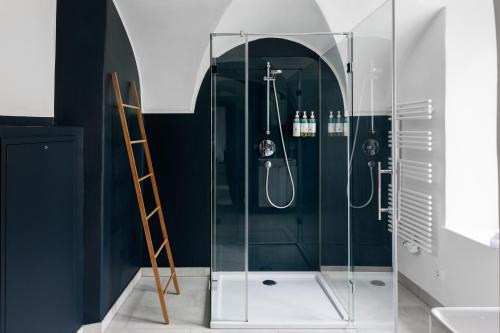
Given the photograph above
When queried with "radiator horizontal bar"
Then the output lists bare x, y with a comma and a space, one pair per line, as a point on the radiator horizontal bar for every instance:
414, 132
419, 226
417, 206
420, 168
418, 194
410, 117
419, 110
418, 214
426, 224
418, 143
414, 198
423, 164
420, 101
421, 179
422, 239
414, 137
411, 228
413, 147
419, 173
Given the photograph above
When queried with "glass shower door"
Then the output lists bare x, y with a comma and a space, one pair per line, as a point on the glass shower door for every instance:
374, 271
229, 265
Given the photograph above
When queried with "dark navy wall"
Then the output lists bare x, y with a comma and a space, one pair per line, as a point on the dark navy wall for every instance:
180, 149
122, 234
78, 102
90, 43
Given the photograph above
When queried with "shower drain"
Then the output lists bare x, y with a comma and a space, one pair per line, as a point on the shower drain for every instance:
269, 282
377, 283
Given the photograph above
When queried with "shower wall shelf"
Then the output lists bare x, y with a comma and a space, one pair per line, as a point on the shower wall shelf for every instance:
415, 207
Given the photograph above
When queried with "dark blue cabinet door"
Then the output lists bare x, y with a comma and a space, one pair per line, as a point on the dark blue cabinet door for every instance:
40, 255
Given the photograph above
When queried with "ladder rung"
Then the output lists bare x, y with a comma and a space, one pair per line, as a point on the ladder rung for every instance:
169, 280
152, 213
137, 141
130, 106
161, 247
145, 177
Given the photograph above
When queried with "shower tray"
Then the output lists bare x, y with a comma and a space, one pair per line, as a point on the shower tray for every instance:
275, 300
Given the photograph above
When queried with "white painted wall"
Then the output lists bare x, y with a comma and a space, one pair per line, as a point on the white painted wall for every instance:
27, 34
471, 76
437, 63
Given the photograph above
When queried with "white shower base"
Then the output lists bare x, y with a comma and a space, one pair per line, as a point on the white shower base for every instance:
297, 300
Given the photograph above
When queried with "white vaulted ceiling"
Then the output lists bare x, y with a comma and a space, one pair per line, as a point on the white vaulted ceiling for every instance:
170, 38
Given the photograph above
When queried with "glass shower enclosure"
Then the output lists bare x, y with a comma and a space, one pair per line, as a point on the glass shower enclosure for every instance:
301, 155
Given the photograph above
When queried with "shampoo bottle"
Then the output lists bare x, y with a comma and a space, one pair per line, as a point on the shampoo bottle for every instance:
312, 124
339, 125
296, 124
304, 126
346, 125
331, 125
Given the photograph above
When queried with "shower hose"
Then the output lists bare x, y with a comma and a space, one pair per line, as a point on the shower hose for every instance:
352, 155
268, 163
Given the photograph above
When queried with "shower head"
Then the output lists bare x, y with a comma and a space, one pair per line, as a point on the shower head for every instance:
276, 71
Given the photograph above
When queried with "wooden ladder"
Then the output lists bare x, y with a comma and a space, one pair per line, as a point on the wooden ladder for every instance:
145, 216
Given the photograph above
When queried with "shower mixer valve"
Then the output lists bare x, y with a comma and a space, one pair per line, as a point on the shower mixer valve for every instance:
267, 148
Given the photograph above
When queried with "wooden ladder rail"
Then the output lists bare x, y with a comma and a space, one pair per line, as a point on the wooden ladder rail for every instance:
165, 245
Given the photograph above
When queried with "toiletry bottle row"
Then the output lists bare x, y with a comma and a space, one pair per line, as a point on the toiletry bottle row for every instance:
304, 127
338, 126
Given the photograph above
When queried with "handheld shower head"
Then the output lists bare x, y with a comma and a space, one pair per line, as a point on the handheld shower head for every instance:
276, 71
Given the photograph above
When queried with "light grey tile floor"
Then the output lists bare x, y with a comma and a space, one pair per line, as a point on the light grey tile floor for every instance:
190, 312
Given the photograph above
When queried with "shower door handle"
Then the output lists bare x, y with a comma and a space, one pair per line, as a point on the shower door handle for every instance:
381, 171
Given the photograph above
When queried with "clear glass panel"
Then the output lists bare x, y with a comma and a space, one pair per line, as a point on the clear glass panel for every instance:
298, 234
371, 240
283, 239
229, 225
335, 100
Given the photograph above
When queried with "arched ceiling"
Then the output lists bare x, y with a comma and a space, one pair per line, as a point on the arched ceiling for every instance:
170, 39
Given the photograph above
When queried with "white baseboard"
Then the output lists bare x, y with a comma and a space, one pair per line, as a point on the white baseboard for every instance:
142, 272
91, 328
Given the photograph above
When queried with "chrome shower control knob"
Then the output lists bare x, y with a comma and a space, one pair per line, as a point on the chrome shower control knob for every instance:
371, 147
267, 148
268, 164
